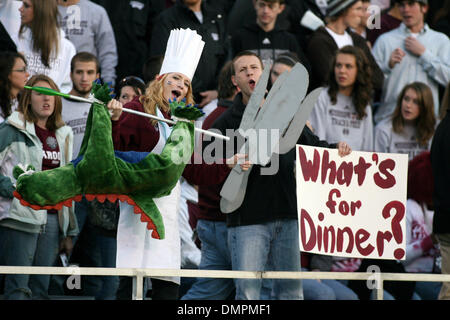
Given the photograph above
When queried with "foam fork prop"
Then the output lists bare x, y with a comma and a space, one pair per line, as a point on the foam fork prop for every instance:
51, 92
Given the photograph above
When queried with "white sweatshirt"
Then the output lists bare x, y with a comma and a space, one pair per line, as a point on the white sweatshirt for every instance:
386, 140
339, 122
59, 69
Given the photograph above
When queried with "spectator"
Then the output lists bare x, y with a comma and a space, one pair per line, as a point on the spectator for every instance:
342, 111
87, 26
251, 238
421, 252
13, 76
389, 20
211, 225
29, 237
98, 240
440, 158
128, 88
263, 36
325, 41
132, 22
411, 52
411, 127
312, 289
46, 52
196, 15
84, 69
95, 247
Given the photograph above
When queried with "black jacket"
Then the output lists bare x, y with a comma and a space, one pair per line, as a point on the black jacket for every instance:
212, 31
267, 45
268, 197
440, 163
297, 9
132, 30
321, 51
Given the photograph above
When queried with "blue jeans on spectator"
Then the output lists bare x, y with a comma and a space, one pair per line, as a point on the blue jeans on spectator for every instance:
428, 290
46, 253
340, 289
101, 252
215, 256
17, 249
317, 290
327, 289
274, 243
58, 282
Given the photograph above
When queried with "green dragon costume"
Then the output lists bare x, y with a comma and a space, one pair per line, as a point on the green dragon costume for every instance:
98, 173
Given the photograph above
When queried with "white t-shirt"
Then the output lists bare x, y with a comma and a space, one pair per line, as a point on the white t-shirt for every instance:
341, 40
75, 115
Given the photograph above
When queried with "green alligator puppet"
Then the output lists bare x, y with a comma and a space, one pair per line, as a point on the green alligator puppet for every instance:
101, 173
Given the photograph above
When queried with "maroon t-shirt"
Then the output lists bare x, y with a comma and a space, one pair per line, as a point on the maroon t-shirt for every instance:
51, 157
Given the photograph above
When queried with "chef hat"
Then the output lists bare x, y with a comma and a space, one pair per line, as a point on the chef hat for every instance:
183, 52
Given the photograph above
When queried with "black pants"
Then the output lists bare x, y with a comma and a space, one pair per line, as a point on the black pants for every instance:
161, 290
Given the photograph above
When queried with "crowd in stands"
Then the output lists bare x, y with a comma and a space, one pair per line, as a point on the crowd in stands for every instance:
384, 70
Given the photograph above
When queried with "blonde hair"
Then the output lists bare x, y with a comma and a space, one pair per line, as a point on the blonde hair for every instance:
154, 97
55, 121
44, 29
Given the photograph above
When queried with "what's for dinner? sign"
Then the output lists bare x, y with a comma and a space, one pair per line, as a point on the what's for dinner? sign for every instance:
352, 206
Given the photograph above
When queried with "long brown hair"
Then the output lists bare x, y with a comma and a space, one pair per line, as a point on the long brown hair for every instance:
362, 88
154, 97
55, 121
44, 29
426, 121
7, 61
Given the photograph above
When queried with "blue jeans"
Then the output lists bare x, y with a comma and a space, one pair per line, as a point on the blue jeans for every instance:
428, 290
274, 243
46, 253
101, 252
215, 256
317, 290
58, 282
17, 249
340, 289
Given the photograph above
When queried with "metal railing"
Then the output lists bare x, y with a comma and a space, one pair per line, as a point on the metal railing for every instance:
139, 275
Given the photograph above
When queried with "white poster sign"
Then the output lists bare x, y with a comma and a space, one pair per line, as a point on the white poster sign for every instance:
352, 206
